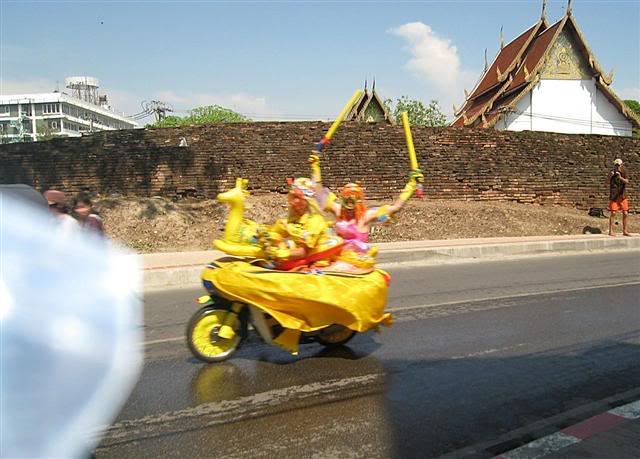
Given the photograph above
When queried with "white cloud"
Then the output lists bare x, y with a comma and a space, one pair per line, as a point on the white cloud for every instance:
434, 57
248, 104
435, 60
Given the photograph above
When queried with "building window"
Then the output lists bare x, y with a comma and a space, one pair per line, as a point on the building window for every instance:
4, 110
1, 127
53, 125
50, 108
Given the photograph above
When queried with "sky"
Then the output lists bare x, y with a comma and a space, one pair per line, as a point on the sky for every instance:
287, 60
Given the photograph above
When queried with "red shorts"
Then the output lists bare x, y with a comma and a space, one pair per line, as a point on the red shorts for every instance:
620, 204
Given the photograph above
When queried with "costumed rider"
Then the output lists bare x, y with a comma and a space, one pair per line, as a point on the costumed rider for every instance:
304, 238
353, 219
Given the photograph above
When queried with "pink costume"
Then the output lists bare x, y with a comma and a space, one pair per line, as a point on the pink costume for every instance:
354, 239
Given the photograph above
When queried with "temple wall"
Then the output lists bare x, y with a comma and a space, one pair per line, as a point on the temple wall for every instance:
567, 106
459, 163
604, 112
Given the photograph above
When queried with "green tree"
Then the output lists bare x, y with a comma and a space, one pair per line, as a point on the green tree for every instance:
417, 112
634, 105
44, 132
203, 115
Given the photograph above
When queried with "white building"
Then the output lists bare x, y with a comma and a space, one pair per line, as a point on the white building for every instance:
32, 116
547, 79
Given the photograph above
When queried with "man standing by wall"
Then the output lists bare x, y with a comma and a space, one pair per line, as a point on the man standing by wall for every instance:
617, 196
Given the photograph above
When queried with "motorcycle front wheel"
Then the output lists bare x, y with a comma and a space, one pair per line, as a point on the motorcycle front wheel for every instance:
203, 339
334, 335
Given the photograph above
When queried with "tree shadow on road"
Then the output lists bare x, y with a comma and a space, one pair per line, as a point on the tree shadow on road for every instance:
438, 407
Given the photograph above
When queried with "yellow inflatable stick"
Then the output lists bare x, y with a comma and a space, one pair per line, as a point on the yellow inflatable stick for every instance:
407, 135
412, 151
334, 127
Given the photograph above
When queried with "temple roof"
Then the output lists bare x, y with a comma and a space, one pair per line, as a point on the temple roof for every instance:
369, 108
517, 69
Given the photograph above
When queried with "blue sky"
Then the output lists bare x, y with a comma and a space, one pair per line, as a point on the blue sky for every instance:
286, 59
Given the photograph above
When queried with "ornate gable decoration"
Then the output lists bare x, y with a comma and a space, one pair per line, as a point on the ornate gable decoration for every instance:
559, 51
369, 109
565, 61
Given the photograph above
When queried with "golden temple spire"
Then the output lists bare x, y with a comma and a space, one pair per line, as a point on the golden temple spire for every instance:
486, 64
501, 38
544, 7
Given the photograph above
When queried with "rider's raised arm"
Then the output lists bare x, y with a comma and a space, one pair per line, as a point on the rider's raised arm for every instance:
383, 213
326, 199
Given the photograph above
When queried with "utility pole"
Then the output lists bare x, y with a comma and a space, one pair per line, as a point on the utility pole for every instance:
158, 108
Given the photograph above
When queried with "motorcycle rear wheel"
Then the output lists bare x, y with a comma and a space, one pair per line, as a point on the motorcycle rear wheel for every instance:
335, 335
203, 339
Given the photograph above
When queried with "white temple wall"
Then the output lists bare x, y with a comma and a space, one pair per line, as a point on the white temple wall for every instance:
607, 119
567, 106
520, 119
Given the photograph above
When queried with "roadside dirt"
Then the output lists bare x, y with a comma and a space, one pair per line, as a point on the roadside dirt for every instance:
161, 225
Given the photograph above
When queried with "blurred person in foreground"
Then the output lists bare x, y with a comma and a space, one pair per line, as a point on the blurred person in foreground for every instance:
71, 319
88, 219
59, 209
618, 201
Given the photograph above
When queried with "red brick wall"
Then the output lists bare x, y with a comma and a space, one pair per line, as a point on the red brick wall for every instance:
472, 164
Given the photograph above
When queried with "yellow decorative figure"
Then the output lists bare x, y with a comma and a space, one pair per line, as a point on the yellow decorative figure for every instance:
240, 234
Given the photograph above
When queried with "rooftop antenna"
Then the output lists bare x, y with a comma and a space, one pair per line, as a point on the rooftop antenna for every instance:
84, 88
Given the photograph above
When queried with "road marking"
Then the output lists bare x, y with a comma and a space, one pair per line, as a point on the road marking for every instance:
455, 303
227, 411
487, 352
165, 340
507, 297
576, 433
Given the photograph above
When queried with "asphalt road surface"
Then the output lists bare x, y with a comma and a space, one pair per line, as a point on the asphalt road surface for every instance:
482, 357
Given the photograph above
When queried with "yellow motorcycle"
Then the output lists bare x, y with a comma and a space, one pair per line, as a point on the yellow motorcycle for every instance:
285, 308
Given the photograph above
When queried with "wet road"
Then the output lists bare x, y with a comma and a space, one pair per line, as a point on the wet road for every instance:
482, 357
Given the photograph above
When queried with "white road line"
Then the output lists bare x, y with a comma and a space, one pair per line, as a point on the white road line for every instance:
487, 352
507, 297
225, 411
165, 340
452, 303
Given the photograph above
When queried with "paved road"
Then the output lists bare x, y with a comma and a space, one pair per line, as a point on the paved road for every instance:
483, 357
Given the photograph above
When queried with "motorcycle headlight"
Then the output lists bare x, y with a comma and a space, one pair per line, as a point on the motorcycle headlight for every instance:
208, 285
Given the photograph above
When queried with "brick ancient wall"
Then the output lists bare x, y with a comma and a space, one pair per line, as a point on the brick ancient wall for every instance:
470, 164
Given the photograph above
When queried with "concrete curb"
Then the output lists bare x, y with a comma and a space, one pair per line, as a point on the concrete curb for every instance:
166, 271
572, 435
